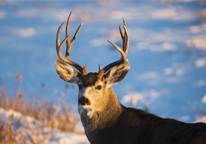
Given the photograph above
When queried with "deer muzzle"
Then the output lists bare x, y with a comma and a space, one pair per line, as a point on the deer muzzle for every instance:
84, 101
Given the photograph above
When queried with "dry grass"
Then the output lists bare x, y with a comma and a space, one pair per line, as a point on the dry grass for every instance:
25, 132
46, 113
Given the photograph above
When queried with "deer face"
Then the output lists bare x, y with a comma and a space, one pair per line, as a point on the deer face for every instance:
92, 91
93, 87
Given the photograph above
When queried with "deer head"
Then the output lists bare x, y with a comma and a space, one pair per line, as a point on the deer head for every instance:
93, 87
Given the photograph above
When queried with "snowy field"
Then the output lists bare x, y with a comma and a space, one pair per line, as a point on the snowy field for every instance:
42, 135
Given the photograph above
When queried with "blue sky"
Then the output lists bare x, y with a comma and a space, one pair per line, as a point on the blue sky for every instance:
166, 53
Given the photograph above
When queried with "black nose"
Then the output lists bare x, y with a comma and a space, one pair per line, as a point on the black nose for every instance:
84, 101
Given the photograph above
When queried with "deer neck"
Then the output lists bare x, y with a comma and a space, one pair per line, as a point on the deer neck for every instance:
112, 108
104, 118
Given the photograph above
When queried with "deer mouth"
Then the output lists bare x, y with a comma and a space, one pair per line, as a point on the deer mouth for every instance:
84, 101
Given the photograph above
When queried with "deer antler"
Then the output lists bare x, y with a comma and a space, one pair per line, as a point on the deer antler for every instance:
69, 43
123, 52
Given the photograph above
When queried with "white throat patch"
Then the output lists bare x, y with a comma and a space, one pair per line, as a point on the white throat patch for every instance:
87, 110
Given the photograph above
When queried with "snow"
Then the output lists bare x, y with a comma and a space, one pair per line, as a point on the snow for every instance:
204, 99
68, 138
37, 132
202, 119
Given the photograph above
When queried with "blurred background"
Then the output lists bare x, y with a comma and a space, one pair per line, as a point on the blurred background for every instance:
167, 51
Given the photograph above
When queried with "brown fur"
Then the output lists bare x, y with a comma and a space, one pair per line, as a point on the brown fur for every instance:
90, 79
135, 126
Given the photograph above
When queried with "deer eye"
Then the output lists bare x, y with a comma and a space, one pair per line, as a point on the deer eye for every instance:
80, 86
99, 87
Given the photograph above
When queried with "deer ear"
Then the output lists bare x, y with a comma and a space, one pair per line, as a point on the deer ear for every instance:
118, 73
66, 72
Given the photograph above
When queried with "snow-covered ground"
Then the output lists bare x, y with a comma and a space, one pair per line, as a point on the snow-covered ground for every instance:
35, 130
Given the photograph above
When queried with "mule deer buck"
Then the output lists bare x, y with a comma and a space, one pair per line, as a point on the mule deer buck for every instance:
105, 119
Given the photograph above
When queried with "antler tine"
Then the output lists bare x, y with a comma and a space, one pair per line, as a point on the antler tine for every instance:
125, 39
119, 49
121, 33
101, 72
120, 29
58, 37
68, 22
66, 59
70, 42
67, 34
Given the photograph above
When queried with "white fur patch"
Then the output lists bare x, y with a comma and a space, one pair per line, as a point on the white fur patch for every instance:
88, 109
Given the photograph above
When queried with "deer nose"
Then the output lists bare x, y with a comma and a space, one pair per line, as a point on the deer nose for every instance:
84, 101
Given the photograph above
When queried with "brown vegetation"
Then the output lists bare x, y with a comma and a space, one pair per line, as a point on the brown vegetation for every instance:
46, 115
